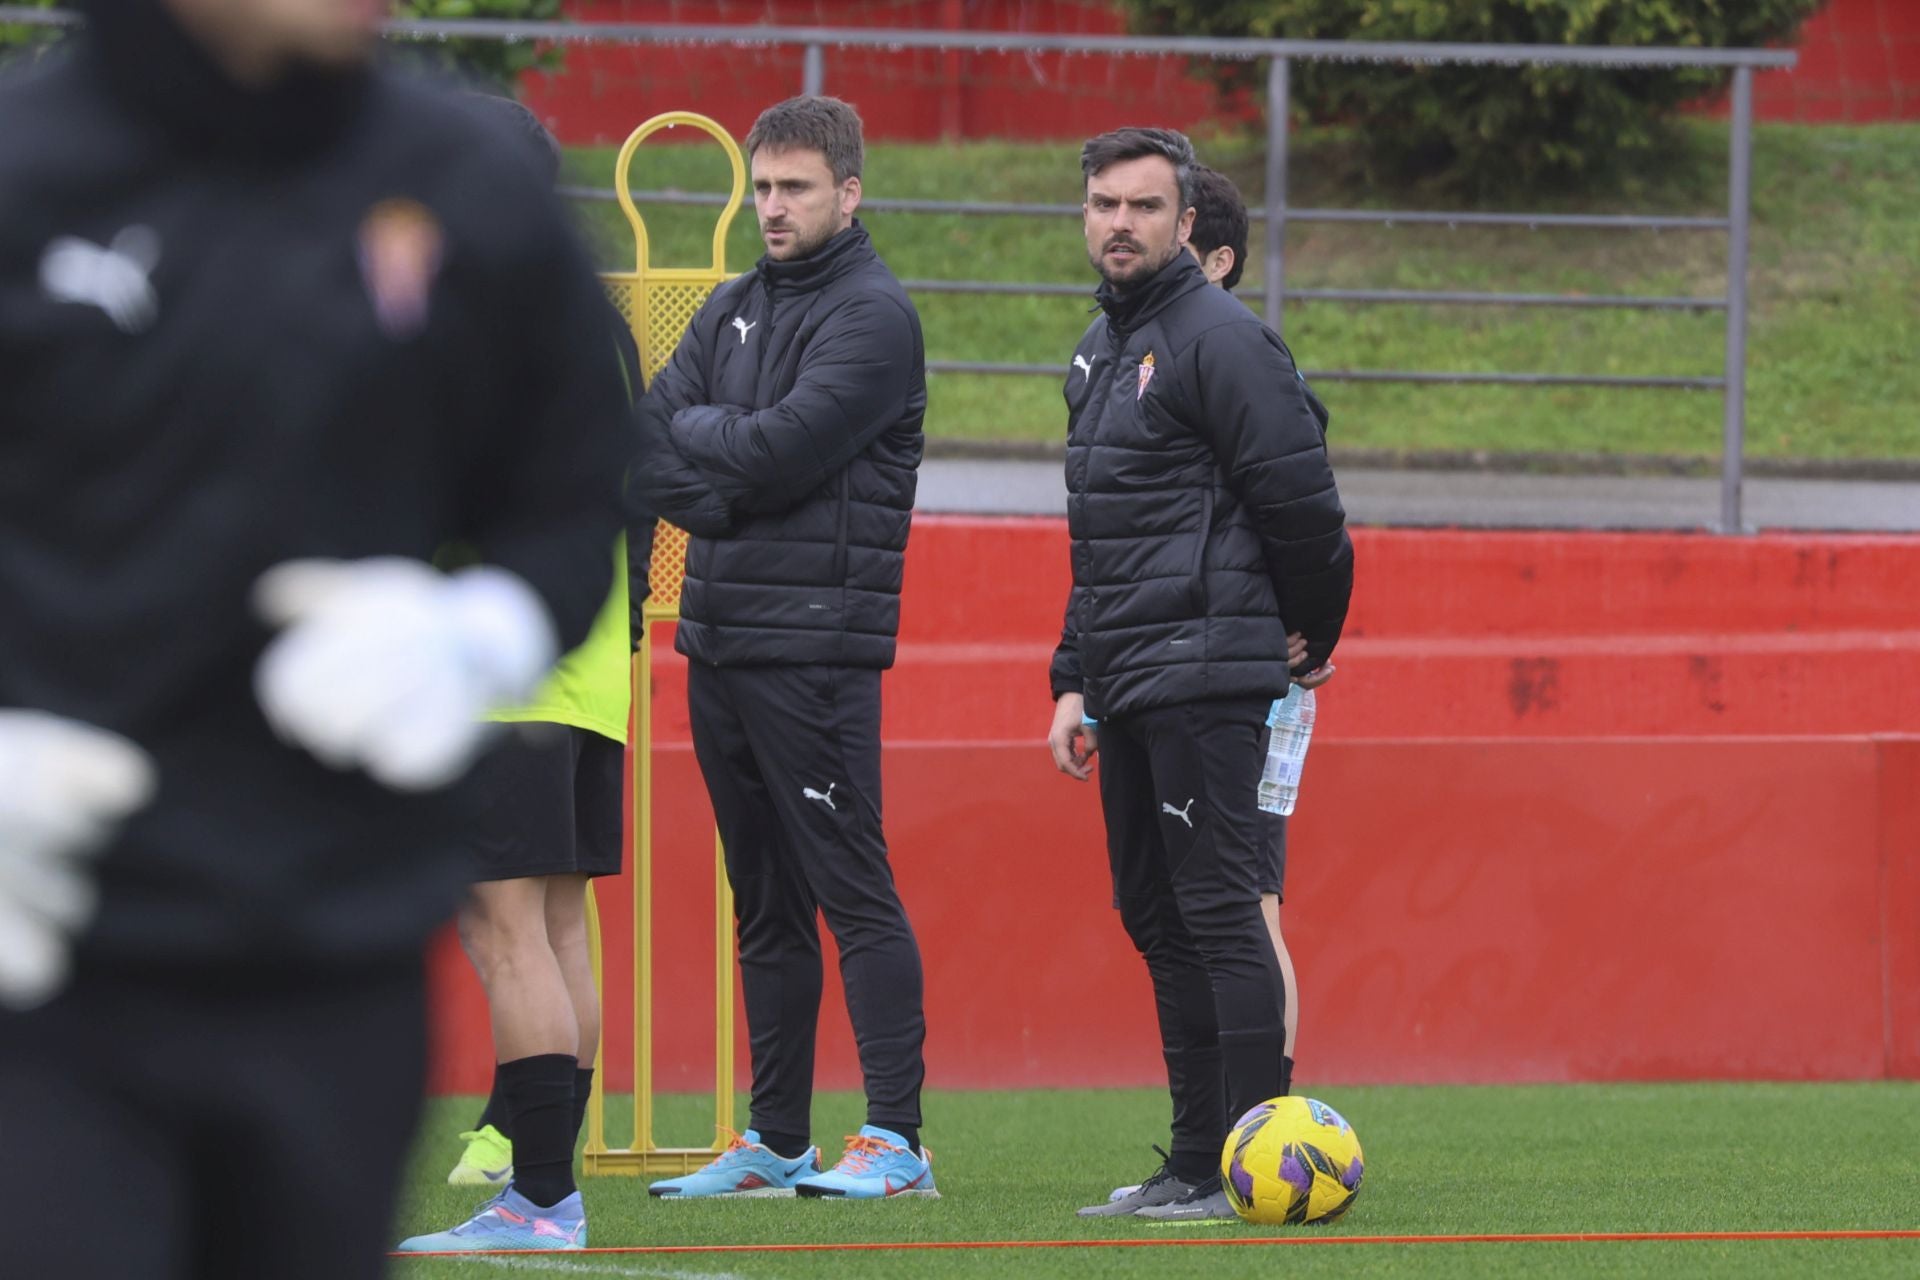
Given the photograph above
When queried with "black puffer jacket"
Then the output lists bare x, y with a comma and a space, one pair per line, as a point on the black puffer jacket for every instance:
784, 435
360, 326
1205, 520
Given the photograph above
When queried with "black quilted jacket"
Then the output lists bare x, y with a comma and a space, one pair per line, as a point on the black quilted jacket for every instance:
1204, 515
784, 435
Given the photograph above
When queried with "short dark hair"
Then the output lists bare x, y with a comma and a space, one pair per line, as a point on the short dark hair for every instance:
1219, 218
1104, 150
812, 122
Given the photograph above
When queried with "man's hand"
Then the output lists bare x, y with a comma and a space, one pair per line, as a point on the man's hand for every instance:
1296, 649
388, 665
65, 788
1316, 677
1297, 654
1071, 739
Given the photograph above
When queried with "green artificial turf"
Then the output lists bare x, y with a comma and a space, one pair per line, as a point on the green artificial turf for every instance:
1440, 1161
1836, 306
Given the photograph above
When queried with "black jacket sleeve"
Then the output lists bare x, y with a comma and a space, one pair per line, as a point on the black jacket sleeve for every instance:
542, 493
1253, 410
669, 486
1064, 674
853, 384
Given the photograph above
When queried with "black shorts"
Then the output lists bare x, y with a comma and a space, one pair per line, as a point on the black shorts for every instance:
1273, 841
548, 804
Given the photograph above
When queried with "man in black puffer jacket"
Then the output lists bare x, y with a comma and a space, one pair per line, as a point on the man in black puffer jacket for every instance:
786, 434
1206, 526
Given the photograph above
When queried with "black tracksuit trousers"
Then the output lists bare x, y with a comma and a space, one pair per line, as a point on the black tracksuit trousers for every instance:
791, 757
211, 1124
1179, 788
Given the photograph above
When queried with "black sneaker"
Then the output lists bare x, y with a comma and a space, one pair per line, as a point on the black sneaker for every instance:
1206, 1202
1161, 1188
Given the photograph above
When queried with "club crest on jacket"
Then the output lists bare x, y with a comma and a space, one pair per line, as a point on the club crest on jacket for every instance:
401, 246
1146, 375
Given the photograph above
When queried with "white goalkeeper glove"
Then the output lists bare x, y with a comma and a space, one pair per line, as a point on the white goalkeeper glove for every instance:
65, 788
388, 664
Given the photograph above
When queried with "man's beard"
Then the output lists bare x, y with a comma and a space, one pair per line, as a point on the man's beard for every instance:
1141, 269
804, 246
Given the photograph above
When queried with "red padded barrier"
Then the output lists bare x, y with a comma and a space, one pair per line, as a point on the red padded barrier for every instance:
1900, 902
1463, 634
1459, 911
1495, 880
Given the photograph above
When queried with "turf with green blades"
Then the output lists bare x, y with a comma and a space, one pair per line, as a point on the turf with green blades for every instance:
1440, 1161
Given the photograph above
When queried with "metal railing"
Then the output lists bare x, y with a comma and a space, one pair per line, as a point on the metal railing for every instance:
1275, 214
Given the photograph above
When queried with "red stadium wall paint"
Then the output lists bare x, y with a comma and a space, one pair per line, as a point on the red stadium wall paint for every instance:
1859, 62
1546, 835
1461, 911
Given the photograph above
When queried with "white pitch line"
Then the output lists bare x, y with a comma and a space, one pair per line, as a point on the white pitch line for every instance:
566, 1266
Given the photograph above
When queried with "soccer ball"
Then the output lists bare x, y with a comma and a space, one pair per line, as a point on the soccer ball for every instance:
1292, 1160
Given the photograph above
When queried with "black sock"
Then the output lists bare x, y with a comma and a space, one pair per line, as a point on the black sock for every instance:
907, 1131
539, 1096
1193, 1166
788, 1146
1286, 1076
495, 1113
582, 1090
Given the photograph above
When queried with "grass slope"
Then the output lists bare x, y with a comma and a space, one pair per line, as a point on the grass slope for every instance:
1836, 308
1013, 1166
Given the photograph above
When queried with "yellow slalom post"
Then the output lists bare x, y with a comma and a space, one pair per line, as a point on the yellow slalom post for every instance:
658, 303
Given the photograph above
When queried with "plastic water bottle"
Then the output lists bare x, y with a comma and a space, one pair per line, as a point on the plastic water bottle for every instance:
1292, 723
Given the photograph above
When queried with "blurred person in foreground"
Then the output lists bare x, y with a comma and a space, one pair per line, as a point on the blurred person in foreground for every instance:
787, 434
1205, 524
275, 329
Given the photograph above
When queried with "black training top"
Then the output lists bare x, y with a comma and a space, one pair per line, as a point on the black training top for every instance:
785, 436
339, 318
1205, 520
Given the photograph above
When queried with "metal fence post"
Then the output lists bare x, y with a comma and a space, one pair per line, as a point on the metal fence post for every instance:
1739, 189
813, 70
1276, 275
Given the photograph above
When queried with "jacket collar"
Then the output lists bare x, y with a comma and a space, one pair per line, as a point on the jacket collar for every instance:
1130, 308
846, 252
161, 75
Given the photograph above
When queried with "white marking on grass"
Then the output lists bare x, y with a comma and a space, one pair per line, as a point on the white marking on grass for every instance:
566, 1266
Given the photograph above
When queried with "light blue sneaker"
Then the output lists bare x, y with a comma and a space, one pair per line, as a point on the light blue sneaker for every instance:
745, 1168
877, 1165
510, 1221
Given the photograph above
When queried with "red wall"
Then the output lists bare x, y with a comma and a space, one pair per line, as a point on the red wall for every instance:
1548, 832
1860, 61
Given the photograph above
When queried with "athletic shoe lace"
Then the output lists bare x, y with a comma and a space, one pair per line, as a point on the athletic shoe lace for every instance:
1163, 1173
862, 1151
736, 1143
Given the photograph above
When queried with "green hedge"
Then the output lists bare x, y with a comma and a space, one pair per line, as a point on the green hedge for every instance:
1487, 128
496, 62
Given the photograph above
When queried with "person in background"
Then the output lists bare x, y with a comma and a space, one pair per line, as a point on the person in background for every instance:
1205, 520
786, 434
549, 794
